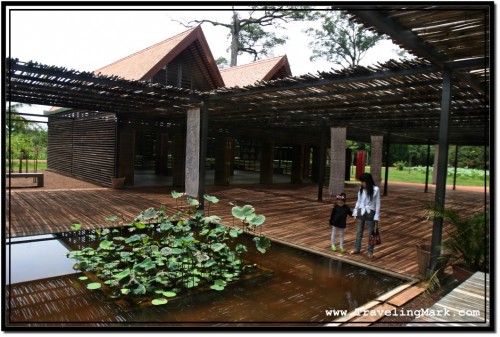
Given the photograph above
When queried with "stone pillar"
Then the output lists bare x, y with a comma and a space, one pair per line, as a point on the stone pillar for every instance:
224, 154
376, 158
337, 160
267, 163
435, 165
192, 152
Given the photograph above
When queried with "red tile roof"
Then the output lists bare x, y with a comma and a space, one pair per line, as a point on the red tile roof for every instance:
262, 70
143, 64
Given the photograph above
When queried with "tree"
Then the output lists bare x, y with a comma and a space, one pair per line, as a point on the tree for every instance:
25, 139
248, 35
222, 62
341, 41
15, 123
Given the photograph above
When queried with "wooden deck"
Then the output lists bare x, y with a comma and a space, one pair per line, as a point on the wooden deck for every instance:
294, 216
466, 306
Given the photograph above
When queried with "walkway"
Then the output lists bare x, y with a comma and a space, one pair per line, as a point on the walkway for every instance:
294, 216
468, 303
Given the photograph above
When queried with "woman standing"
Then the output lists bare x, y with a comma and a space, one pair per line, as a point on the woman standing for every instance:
367, 210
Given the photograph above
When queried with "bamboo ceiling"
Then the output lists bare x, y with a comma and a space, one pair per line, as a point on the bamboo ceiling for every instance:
402, 98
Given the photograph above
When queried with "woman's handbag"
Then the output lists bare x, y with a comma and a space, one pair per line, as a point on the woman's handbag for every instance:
375, 236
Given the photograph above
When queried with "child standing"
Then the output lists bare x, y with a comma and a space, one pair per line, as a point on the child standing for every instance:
338, 220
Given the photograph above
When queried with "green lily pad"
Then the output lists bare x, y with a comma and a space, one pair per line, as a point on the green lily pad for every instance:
76, 226
159, 301
93, 286
211, 199
169, 294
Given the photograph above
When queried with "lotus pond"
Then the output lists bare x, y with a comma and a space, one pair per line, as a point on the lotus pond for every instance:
179, 269
44, 290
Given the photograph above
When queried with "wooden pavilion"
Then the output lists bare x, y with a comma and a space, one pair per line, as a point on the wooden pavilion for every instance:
96, 146
442, 97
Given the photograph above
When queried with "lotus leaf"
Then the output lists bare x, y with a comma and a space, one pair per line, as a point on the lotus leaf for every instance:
242, 212
211, 199
159, 301
219, 285
123, 274
94, 285
169, 294
106, 244
176, 195
217, 246
211, 219
76, 226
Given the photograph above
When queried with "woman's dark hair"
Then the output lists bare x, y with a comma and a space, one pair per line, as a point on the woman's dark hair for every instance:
368, 179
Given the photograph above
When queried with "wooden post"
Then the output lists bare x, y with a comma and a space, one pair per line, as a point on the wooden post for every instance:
267, 163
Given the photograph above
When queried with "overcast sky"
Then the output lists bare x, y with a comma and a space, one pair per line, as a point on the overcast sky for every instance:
86, 40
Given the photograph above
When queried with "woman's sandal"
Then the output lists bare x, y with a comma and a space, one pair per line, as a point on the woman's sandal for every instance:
353, 252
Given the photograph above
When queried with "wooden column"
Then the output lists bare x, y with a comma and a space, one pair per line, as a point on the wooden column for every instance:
337, 161
267, 163
162, 162
307, 159
126, 155
376, 158
178, 160
297, 164
224, 154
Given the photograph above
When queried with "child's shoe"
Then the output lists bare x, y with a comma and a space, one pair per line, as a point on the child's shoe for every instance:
334, 249
343, 250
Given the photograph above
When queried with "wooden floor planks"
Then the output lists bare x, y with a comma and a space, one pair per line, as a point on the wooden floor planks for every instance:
468, 303
293, 215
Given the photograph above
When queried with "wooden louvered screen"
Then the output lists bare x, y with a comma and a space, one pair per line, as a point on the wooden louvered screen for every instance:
84, 148
60, 145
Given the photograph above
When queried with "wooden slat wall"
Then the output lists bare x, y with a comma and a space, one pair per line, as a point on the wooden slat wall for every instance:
60, 145
84, 148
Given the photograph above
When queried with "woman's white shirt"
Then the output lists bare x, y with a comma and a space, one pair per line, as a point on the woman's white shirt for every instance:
365, 204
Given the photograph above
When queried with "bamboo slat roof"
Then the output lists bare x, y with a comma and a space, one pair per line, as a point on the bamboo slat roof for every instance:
403, 98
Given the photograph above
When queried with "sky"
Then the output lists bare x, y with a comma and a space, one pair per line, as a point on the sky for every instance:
86, 39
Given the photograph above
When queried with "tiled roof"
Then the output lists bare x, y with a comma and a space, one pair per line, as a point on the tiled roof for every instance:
143, 64
248, 74
139, 64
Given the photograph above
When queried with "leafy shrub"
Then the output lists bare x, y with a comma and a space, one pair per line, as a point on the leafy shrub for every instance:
400, 165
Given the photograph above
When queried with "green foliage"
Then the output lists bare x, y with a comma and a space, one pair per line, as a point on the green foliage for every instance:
468, 240
400, 165
159, 255
340, 40
25, 139
465, 177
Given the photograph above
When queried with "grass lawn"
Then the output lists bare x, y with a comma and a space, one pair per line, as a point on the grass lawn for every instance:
42, 165
464, 177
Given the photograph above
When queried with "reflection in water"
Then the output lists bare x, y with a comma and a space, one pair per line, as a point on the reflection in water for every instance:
302, 287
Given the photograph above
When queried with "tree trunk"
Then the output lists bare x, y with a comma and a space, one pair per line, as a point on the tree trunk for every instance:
234, 40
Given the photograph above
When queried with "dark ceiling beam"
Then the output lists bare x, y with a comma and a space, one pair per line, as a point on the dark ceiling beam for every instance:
411, 41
